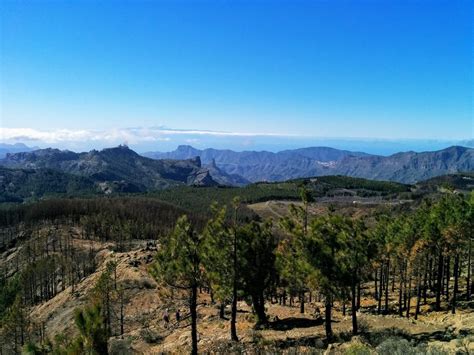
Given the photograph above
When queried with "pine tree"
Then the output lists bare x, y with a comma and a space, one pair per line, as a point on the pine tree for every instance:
179, 265
293, 268
218, 258
258, 271
327, 249
92, 329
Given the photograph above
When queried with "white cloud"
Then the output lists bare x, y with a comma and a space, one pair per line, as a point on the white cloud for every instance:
130, 135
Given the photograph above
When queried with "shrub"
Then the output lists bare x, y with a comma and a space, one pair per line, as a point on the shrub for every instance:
359, 349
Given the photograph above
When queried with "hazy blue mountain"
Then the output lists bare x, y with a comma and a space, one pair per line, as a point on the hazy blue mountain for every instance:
409, 167
120, 169
223, 178
406, 167
468, 143
264, 166
323, 154
14, 148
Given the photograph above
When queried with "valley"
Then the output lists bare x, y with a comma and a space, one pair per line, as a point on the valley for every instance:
57, 253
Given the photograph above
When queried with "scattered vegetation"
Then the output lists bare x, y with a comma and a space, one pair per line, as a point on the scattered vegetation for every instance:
421, 257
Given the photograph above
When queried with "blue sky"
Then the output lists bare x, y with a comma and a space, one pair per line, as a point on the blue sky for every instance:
81, 73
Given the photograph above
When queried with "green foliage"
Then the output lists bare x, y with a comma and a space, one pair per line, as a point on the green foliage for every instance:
201, 198
102, 218
179, 265
92, 329
218, 255
20, 185
257, 270
33, 349
400, 346
347, 182
460, 181
179, 258
294, 271
326, 248
15, 324
330, 253
9, 289
358, 349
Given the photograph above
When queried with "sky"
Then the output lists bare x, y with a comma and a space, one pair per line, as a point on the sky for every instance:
236, 74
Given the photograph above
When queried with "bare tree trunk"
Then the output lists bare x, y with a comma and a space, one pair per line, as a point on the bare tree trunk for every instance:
222, 310
409, 296
376, 295
233, 317
353, 309
379, 306
456, 279
418, 294
358, 295
302, 302
447, 275
327, 319
439, 280
468, 277
386, 286
400, 294
425, 285
259, 308
430, 278
122, 316
193, 309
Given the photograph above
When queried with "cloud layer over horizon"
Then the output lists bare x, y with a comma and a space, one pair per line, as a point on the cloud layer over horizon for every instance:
164, 139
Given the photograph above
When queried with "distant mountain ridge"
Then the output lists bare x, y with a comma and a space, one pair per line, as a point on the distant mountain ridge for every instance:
120, 167
14, 148
405, 167
263, 165
323, 154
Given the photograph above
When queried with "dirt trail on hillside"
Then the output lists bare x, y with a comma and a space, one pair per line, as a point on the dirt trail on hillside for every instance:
146, 333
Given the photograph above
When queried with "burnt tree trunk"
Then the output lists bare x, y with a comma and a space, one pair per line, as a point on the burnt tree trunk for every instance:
327, 320
355, 329
456, 280
439, 277
193, 310
386, 286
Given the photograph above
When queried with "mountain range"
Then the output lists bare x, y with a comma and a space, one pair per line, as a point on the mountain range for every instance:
6, 148
406, 167
115, 169
52, 171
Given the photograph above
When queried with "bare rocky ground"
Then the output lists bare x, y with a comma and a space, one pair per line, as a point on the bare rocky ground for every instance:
146, 333
348, 206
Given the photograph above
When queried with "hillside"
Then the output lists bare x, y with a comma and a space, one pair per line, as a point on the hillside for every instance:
409, 167
17, 185
459, 181
325, 187
122, 166
120, 170
56, 252
406, 167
